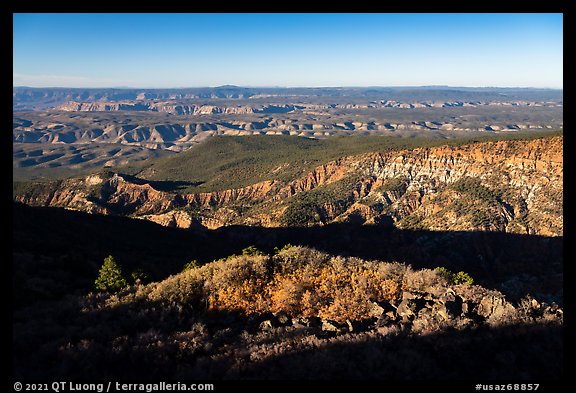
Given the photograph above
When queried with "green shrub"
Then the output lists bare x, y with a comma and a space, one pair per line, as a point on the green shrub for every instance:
284, 248
473, 186
445, 273
309, 207
462, 278
252, 250
301, 213
110, 277
413, 221
396, 185
193, 264
455, 278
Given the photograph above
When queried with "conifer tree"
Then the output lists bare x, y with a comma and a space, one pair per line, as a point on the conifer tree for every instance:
110, 277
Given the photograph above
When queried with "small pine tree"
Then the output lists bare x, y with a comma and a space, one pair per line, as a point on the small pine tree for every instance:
110, 277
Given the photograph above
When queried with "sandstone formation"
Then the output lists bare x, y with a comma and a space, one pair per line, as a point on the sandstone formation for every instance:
182, 133
509, 186
175, 107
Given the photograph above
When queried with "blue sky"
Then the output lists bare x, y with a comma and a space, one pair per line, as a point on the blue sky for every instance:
191, 50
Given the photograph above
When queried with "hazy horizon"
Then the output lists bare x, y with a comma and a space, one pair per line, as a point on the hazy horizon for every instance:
290, 87
289, 50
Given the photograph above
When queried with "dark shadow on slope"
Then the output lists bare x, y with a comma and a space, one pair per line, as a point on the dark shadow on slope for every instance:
483, 354
508, 262
57, 252
124, 341
512, 263
173, 185
277, 109
162, 185
149, 341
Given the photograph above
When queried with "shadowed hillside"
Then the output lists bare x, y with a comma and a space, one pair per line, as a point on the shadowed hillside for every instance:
430, 263
226, 346
293, 313
74, 244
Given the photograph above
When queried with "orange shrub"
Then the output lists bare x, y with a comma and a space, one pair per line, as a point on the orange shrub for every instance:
247, 297
299, 281
341, 289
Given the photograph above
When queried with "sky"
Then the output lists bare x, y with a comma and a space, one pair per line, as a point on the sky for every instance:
287, 50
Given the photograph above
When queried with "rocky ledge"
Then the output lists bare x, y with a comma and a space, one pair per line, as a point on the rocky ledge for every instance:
461, 308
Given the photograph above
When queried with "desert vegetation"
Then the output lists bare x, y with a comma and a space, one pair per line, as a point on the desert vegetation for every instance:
220, 237
486, 186
229, 162
110, 276
413, 256
319, 204
254, 315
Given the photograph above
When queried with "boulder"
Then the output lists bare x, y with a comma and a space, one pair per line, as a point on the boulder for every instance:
410, 305
311, 322
296, 323
266, 325
426, 321
407, 295
282, 318
495, 309
553, 313
375, 310
440, 310
386, 319
329, 326
451, 304
406, 309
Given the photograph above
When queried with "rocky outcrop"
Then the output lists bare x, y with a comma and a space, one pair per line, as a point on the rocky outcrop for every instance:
175, 107
532, 171
194, 122
252, 193
175, 219
103, 195
510, 186
462, 307
446, 164
73, 106
172, 108
322, 175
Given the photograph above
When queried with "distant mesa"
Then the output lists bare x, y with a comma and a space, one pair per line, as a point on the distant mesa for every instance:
26, 98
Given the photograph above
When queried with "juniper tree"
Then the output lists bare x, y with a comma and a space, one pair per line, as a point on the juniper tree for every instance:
110, 277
